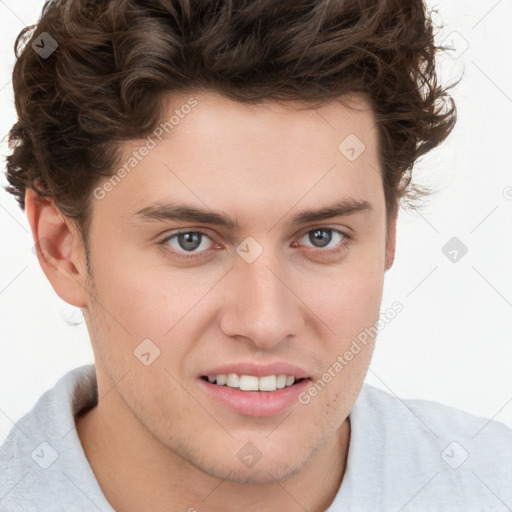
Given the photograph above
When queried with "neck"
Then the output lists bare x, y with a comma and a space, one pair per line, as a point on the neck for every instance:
136, 472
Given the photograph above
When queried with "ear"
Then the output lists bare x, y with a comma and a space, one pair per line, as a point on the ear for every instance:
59, 248
391, 242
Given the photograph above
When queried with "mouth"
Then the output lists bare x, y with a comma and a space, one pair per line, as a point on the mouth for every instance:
266, 383
255, 391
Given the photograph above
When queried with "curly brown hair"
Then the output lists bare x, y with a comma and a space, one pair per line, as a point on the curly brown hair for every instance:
116, 60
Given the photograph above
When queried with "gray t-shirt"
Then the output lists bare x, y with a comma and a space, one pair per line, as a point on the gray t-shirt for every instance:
404, 455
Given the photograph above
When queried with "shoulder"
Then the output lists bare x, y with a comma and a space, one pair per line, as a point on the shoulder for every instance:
42, 455
425, 426
433, 455
426, 416
429, 420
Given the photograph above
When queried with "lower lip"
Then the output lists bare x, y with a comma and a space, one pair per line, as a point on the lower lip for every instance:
256, 403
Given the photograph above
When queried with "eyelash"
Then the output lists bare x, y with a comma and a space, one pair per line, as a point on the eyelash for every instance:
330, 252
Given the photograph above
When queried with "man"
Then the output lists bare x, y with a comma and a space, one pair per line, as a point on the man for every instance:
216, 186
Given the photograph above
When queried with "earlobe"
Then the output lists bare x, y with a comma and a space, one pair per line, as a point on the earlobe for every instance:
391, 243
59, 248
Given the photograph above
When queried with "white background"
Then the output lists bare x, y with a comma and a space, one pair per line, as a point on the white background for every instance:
451, 343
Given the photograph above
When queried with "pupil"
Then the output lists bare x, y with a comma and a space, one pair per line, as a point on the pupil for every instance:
189, 241
322, 236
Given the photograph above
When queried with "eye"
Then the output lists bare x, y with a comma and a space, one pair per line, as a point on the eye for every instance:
191, 242
321, 238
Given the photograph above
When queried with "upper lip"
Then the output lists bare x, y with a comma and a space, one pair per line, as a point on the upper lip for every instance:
259, 370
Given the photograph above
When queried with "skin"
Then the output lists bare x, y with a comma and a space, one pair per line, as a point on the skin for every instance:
155, 440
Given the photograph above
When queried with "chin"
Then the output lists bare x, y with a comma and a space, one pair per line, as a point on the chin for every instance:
268, 469
260, 474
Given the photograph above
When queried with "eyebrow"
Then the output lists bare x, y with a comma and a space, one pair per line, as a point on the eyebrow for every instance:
185, 213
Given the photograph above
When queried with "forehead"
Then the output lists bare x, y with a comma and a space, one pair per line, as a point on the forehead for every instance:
272, 127
269, 155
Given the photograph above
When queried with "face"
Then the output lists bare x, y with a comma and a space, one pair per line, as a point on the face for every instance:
213, 259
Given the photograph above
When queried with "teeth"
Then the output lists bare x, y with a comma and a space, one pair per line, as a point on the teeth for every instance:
233, 380
281, 381
248, 383
252, 383
267, 383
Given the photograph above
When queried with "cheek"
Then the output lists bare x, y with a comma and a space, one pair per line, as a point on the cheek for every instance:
347, 298
348, 302
147, 298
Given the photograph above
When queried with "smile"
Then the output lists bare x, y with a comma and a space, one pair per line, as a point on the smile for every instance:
252, 382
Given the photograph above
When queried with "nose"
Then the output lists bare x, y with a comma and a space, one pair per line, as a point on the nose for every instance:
260, 304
